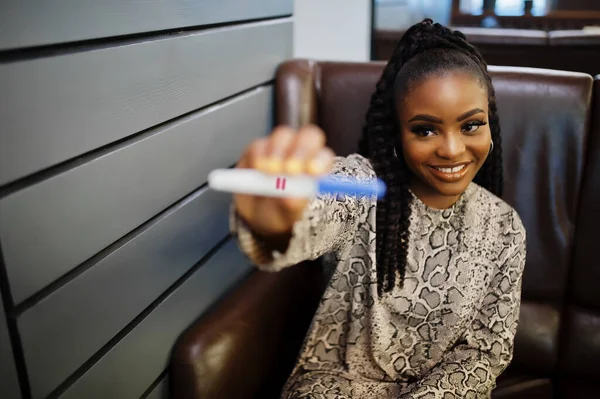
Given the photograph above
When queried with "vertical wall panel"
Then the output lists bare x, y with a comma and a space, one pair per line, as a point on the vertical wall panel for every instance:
9, 384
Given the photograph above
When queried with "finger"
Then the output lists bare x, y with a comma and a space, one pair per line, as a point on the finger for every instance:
308, 141
243, 162
255, 157
321, 163
278, 146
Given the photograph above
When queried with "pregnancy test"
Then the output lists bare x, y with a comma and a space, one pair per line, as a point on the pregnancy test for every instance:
254, 182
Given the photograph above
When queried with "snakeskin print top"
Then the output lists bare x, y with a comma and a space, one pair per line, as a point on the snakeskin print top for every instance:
447, 333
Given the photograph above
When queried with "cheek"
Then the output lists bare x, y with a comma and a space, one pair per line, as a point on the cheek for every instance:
480, 144
416, 152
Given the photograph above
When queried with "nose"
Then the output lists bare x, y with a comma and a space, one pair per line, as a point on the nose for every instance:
451, 146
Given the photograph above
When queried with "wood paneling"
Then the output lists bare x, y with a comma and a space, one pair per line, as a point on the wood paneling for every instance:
9, 384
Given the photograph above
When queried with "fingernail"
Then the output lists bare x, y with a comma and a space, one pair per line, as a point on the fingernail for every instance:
274, 165
293, 166
261, 164
317, 166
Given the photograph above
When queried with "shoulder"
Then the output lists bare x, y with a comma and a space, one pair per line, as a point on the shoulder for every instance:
498, 213
353, 165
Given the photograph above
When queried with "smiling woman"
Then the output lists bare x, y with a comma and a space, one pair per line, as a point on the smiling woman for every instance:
444, 135
425, 296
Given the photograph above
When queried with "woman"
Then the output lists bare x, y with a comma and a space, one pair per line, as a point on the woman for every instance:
424, 299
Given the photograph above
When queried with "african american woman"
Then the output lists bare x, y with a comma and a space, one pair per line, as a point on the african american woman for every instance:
424, 299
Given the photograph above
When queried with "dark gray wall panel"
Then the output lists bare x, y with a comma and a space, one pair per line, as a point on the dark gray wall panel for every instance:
9, 384
129, 368
60, 107
119, 288
161, 391
51, 227
39, 22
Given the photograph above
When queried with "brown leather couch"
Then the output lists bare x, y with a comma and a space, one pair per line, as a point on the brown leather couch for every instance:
570, 50
246, 346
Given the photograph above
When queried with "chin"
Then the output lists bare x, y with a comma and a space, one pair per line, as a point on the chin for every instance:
451, 193
451, 189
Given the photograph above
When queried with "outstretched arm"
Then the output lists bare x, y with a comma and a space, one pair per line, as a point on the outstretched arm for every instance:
327, 224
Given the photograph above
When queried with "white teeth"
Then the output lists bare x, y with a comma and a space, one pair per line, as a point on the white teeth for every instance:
451, 170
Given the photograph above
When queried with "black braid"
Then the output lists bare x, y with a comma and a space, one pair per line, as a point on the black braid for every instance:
380, 134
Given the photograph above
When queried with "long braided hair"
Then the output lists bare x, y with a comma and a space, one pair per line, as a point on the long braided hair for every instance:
425, 49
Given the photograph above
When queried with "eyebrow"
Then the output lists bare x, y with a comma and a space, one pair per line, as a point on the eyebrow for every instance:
433, 119
426, 118
472, 112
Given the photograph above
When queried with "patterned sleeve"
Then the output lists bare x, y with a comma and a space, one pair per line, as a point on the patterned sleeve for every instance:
485, 350
328, 223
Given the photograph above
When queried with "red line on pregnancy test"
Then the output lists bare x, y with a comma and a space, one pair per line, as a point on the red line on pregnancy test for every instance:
280, 183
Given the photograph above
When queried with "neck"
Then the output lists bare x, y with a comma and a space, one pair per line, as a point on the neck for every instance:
432, 198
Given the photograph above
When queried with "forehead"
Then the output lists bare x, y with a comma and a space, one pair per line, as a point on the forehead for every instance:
449, 93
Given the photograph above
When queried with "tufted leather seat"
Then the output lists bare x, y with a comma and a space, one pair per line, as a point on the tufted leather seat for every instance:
551, 150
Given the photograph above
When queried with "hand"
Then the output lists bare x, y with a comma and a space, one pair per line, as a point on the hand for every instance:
285, 151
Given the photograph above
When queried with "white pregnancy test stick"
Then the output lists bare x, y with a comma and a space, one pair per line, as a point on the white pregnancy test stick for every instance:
254, 182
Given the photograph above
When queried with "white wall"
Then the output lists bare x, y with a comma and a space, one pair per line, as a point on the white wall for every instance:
336, 30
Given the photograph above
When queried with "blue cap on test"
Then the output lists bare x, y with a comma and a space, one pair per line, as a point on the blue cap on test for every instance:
352, 186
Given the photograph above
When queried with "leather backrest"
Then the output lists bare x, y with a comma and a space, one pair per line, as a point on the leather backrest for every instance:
544, 118
333, 95
581, 352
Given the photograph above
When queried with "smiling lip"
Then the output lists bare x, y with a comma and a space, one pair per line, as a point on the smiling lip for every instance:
450, 174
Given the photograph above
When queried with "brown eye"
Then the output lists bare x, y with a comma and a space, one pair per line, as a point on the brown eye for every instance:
472, 127
423, 131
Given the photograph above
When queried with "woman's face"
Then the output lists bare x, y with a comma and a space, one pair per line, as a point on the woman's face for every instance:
445, 136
